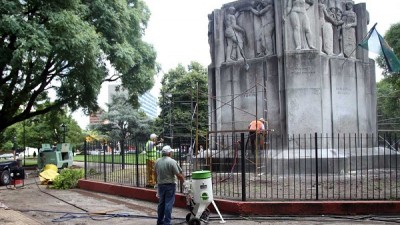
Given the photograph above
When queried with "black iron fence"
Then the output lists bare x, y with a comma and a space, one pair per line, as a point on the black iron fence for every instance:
297, 167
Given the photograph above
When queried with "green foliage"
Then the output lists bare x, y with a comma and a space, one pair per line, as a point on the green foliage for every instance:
68, 179
388, 106
62, 47
392, 38
43, 129
124, 121
388, 89
184, 101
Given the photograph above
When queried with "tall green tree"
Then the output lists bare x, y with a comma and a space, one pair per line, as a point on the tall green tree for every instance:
123, 121
61, 48
389, 87
184, 103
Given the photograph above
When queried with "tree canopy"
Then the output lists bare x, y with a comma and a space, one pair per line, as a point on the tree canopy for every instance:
65, 49
184, 102
122, 121
43, 129
389, 87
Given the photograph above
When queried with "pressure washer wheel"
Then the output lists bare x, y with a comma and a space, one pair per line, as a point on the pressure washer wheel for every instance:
194, 221
205, 215
188, 217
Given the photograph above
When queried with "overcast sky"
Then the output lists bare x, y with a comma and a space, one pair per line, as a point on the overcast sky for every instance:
178, 28
178, 31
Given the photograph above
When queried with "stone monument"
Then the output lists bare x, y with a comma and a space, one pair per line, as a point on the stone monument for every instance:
294, 63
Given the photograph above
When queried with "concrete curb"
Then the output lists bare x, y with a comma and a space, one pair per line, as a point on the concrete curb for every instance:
16, 218
258, 208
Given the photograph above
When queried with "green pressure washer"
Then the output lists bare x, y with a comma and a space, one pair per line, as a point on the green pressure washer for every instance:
60, 155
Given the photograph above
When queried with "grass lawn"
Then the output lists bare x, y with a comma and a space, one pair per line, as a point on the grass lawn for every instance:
117, 159
129, 158
29, 161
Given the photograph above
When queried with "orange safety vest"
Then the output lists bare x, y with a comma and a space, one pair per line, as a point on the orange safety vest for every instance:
256, 125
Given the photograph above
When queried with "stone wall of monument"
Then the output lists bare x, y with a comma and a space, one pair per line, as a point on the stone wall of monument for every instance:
293, 62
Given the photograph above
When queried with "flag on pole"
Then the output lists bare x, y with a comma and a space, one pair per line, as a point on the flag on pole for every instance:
374, 42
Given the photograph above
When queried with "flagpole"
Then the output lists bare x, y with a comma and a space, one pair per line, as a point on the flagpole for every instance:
366, 35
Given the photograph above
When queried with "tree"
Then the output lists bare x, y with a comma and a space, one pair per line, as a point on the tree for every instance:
123, 121
183, 102
61, 49
43, 129
389, 87
388, 106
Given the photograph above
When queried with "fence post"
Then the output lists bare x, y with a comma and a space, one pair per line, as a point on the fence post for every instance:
137, 162
85, 159
316, 165
243, 167
104, 160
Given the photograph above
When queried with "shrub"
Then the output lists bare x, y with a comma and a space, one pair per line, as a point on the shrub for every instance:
68, 179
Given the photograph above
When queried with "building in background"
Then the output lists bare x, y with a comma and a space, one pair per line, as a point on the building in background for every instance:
147, 101
94, 118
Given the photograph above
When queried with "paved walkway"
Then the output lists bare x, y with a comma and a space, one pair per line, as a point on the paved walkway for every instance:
11, 217
37, 205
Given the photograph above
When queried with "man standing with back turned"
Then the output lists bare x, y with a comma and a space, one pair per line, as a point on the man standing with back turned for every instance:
255, 128
166, 169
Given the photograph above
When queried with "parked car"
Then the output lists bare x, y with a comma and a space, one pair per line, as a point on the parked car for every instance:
5, 171
6, 156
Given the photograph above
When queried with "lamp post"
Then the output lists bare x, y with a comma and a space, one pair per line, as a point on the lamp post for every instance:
170, 119
14, 146
64, 128
24, 141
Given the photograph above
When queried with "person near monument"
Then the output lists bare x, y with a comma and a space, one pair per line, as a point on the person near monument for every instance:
349, 31
296, 9
234, 36
255, 128
265, 39
151, 157
166, 171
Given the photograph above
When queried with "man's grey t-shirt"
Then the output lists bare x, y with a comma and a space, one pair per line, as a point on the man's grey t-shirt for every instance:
166, 169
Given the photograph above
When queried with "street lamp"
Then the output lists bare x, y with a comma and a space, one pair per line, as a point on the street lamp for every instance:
64, 128
24, 140
14, 146
169, 95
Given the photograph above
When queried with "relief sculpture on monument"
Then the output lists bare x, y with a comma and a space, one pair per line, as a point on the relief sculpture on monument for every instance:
326, 20
349, 31
297, 12
234, 35
265, 40
335, 8
305, 84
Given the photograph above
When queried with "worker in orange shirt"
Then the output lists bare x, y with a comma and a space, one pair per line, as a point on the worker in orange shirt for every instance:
255, 128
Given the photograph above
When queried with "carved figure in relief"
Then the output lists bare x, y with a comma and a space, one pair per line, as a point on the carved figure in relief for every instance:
211, 35
336, 12
234, 35
265, 39
296, 9
348, 31
326, 20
